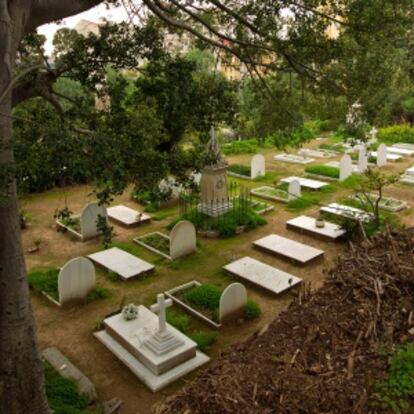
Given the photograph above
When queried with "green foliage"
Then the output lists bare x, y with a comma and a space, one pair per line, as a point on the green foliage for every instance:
44, 280
302, 203
397, 133
99, 293
204, 296
179, 320
62, 394
105, 229
317, 126
397, 391
240, 169
204, 339
332, 147
252, 310
157, 242
247, 146
326, 170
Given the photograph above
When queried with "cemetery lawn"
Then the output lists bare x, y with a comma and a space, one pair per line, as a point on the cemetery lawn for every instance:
71, 329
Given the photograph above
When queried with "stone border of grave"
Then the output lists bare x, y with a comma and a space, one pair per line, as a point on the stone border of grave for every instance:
139, 241
320, 177
194, 283
264, 210
70, 229
401, 205
241, 176
254, 192
293, 159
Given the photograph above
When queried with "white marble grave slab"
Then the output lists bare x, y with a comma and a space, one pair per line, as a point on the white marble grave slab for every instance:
294, 159
288, 248
320, 153
335, 164
127, 216
404, 145
401, 151
346, 211
305, 224
390, 157
263, 275
305, 182
122, 263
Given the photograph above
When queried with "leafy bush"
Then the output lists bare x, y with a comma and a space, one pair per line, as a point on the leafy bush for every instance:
252, 310
204, 339
45, 280
326, 170
62, 394
397, 133
205, 296
396, 391
240, 169
248, 146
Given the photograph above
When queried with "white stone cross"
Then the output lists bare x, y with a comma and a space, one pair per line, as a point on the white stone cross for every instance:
160, 307
373, 133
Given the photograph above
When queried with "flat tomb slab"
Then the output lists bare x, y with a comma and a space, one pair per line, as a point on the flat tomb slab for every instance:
133, 335
263, 275
306, 224
127, 216
409, 171
122, 263
336, 165
404, 145
347, 212
401, 151
305, 182
152, 381
390, 157
288, 248
295, 159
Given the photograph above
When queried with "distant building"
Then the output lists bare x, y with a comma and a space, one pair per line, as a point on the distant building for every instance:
86, 27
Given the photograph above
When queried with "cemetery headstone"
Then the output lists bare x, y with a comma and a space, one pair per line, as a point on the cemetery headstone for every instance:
183, 239
76, 280
382, 155
345, 167
294, 190
232, 302
257, 166
362, 159
89, 218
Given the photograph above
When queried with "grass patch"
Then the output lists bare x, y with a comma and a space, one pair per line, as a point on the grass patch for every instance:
240, 169
333, 147
158, 242
45, 280
352, 182
324, 170
302, 203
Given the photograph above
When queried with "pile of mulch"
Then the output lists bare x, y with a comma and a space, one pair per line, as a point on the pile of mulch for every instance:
325, 353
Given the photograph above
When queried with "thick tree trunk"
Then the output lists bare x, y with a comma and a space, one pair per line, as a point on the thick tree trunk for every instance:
21, 371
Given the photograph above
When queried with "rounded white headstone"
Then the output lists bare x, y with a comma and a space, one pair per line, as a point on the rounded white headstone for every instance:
382, 155
257, 166
345, 167
183, 239
88, 219
294, 190
232, 302
76, 280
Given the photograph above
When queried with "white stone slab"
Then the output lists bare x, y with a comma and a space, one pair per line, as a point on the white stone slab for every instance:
382, 155
122, 263
390, 157
407, 179
347, 212
294, 159
404, 145
410, 171
330, 231
152, 381
288, 248
320, 153
263, 275
127, 216
401, 151
305, 182
257, 166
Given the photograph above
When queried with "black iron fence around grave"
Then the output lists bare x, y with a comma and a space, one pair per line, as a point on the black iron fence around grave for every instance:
217, 214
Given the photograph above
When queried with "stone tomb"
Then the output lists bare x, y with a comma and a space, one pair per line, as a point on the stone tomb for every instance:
87, 221
404, 152
257, 166
307, 225
127, 216
343, 210
263, 275
294, 190
124, 264
288, 249
408, 176
362, 159
294, 159
404, 145
389, 157
156, 352
319, 153
305, 182
345, 167
182, 240
233, 302
76, 280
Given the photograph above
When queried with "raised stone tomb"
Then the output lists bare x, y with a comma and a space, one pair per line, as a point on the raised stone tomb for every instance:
307, 225
127, 216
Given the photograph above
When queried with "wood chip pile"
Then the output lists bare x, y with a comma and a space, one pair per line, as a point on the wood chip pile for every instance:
325, 353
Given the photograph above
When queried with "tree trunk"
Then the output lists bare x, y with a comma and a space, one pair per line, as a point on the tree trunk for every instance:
21, 370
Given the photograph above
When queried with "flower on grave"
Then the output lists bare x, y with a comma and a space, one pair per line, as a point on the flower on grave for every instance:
130, 312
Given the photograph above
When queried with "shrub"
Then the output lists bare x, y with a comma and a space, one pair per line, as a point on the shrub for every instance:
248, 146
326, 170
204, 339
44, 280
252, 310
63, 395
205, 296
397, 133
396, 391
240, 169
